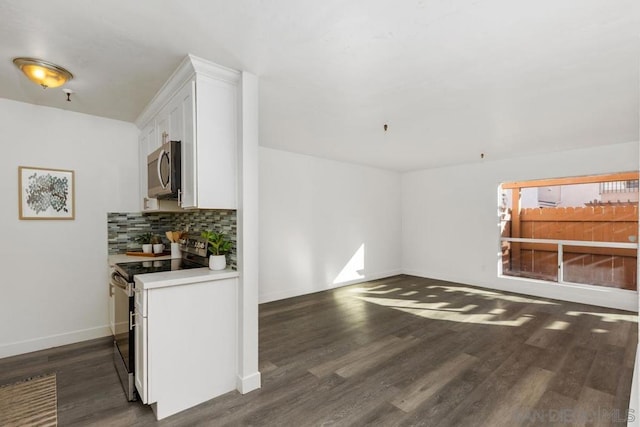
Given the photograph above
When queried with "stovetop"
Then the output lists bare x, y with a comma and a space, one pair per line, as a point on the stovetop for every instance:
130, 269
194, 255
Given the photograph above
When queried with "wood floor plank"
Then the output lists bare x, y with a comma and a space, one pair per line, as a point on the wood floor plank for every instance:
630, 348
425, 387
488, 395
594, 408
354, 356
521, 399
621, 400
384, 355
552, 408
573, 373
606, 368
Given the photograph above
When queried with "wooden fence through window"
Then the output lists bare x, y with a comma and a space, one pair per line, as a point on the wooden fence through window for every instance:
598, 266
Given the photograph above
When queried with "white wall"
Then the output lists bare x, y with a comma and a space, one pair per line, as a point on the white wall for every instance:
450, 226
54, 287
318, 215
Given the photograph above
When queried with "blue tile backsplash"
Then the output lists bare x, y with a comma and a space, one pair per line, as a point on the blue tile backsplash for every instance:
123, 227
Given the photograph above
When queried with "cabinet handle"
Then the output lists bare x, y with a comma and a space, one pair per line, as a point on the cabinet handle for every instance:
179, 197
110, 289
164, 136
132, 324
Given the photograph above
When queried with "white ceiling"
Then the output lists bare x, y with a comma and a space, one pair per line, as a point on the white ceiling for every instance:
452, 78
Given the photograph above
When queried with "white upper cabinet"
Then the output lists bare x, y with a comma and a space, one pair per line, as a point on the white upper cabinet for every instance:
188, 178
198, 106
146, 142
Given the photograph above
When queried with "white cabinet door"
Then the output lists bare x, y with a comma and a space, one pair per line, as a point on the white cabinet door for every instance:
216, 143
141, 352
175, 119
169, 123
192, 344
163, 129
186, 98
146, 141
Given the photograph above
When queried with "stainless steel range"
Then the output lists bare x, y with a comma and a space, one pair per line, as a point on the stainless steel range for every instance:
194, 255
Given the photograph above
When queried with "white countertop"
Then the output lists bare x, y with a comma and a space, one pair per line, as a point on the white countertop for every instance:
114, 259
182, 277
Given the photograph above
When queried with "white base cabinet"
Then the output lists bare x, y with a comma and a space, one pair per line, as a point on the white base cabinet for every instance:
185, 343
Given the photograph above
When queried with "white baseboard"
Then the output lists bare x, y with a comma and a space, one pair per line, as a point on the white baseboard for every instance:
248, 383
633, 419
42, 343
601, 296
296, 292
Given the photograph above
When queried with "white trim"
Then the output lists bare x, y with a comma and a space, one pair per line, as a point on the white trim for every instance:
585, 243
247, 232
600, 296
248, 383
189, 66
634, 399
42, 343
296, 292
214, 71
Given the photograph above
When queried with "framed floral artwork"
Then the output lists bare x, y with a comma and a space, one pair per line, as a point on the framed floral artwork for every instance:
46, 193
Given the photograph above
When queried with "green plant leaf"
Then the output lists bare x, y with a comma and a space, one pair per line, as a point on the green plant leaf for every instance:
218, 244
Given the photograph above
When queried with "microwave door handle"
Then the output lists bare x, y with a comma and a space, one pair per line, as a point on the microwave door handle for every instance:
159, 172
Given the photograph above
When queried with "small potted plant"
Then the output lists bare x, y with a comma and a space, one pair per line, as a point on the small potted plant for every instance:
144, 239
156, 242
219, 246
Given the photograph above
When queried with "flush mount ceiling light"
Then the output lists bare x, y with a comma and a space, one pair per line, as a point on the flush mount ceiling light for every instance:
42, 72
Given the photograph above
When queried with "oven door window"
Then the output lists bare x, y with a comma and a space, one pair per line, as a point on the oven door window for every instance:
123, 307
164, 169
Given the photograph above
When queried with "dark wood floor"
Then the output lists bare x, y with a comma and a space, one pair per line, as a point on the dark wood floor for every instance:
398, 351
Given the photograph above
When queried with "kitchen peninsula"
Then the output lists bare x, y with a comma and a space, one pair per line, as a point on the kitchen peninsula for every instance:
196, 329
185, 343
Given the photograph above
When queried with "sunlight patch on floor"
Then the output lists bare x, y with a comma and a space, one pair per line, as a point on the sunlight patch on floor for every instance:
491, 294
478, 319
606, 317
403, 303
388, 291
408, 294
558, 325
437, 311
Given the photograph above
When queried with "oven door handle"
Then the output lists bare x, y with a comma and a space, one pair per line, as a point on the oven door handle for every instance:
120, 282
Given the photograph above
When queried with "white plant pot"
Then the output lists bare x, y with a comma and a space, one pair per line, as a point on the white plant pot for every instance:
157, 249
217, 262
147, 248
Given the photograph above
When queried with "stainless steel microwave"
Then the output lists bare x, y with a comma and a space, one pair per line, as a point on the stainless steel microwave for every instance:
163, 171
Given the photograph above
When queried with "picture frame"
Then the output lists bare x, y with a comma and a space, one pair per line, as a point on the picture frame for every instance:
46, 193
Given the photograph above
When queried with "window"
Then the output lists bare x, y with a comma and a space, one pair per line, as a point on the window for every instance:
572, 230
